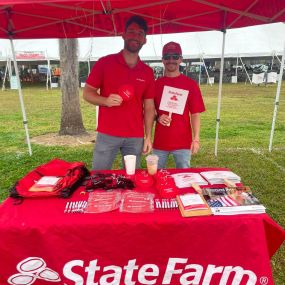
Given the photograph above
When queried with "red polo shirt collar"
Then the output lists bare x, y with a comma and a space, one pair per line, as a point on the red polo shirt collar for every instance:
121, 60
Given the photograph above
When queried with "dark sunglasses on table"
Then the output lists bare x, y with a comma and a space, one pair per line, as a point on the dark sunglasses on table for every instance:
173, 56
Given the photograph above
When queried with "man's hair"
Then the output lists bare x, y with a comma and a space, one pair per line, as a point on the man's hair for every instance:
141, 22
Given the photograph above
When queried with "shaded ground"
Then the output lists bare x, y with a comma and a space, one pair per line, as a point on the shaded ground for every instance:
53, 139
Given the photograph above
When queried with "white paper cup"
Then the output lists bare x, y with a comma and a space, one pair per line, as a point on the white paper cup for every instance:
130, 164
151, 163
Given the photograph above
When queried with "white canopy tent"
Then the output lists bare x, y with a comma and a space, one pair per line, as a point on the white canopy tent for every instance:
264, 40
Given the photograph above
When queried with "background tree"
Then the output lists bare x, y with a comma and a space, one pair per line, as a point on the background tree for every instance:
71, 117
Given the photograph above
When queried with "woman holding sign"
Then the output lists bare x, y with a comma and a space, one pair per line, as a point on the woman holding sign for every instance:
178, 103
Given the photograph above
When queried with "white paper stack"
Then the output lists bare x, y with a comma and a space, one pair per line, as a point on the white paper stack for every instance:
238, 210
219, 176
183, 180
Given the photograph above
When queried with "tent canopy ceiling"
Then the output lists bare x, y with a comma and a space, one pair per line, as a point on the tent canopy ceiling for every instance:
27, 19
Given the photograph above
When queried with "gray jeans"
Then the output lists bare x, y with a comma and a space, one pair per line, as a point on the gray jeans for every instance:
107, 147
182, 157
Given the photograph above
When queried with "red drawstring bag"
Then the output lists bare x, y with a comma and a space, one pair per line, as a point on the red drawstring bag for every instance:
71, 175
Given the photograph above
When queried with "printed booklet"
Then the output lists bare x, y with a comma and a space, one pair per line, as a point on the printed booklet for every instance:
232, 201
187, 179
219, 176
192, 204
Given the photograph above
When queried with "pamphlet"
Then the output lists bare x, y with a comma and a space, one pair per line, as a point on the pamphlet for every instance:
187, 179
219, 176
192, 204
45, 184
173, 100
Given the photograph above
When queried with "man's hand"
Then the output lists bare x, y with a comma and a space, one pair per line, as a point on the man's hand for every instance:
147, 146
164, 119
113, 100
195, 146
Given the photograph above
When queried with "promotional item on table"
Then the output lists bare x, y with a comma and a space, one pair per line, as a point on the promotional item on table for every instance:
187, 179
232, 201
193, 205
219, 176
71, 177
138, 191
165, 204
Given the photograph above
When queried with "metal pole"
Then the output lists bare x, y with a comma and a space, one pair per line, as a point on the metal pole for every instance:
206, 70
5, 75
25, 122
236, 66
220, 93
48, 74
88, 62
245, 71
277, 100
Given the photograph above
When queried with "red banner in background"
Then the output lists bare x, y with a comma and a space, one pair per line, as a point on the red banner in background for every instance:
30, 55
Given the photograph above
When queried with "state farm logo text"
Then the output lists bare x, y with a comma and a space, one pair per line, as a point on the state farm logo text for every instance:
78, 272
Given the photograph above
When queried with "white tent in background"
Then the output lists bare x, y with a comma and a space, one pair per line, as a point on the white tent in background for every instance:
265, 40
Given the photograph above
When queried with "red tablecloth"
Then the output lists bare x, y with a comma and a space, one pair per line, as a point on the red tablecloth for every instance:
123, 248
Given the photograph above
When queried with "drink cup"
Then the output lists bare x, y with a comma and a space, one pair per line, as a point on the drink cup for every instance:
130, 164
151, 163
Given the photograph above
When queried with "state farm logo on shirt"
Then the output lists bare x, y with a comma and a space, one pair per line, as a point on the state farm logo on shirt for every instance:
31, 269
81, 272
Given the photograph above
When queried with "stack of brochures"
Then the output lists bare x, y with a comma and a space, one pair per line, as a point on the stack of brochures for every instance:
219, 176
187, 179
192, 204
232, 201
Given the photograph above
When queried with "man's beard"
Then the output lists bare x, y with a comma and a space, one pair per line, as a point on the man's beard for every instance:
132, 49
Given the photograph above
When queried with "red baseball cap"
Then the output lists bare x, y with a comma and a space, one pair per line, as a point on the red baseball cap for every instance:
172, 48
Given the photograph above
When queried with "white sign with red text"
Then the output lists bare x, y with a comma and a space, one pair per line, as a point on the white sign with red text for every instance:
173, 100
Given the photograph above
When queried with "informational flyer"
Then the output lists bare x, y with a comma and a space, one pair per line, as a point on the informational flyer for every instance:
173, 100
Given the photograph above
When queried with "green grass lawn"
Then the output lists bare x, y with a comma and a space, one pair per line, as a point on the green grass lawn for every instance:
246, 117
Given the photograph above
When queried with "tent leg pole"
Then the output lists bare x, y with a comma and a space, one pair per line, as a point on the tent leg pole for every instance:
277, 99
206, 71
88, 62
25, 122
245, 71
220, 93
5, 75
48, 74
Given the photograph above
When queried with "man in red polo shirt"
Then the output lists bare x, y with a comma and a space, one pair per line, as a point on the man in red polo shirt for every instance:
123, 88
173, 131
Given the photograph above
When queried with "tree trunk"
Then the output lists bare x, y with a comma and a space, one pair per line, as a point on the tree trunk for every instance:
71, 118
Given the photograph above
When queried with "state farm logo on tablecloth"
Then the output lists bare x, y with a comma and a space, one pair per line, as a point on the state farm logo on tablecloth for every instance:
176, 271
31, 269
